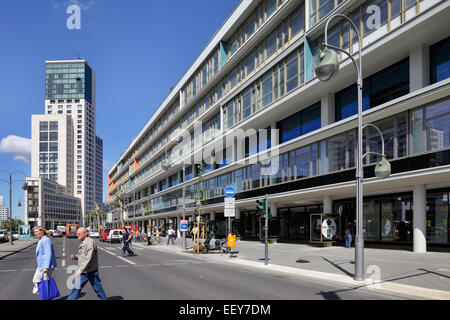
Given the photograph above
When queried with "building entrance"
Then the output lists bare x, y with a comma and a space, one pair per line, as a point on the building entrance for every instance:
295, 222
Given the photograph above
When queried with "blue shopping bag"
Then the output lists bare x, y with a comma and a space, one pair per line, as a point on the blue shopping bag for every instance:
47, 289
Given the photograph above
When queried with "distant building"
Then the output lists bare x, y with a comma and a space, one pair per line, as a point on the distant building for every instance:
49, 204
3, 210
64, 143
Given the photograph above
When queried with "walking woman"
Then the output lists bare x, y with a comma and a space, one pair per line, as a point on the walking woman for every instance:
45, 256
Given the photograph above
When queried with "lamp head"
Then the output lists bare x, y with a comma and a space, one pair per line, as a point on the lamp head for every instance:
327, 65
383, 169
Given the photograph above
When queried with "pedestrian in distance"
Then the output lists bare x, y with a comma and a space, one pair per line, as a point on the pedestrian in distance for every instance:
45, 256
87, 266
170, 234
126, 239
348, 235
149, 237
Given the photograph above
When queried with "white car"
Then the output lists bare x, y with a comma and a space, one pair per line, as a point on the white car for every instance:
4, 236
115, 235
93, 233
52, 232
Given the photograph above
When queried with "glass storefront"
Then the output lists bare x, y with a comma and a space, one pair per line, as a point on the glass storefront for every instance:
391, 219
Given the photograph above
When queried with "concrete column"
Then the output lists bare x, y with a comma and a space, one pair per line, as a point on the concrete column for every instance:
327, 204
307, 15
419, 217
273, 209
212, 216
327, 108
419, 67
237, 213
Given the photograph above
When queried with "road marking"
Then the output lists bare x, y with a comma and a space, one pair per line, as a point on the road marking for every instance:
8, 270
105, 267
122, 266
28, 269
113, 254
154, 265
139, 265
131, 262
63, 263
169, 264
64, 254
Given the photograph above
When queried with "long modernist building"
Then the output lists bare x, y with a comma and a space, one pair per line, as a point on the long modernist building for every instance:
257, 72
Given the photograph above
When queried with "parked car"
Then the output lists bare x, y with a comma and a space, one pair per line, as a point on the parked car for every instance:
93, 233
4, 236
104, 233
57, 233
15, 235
115, 235
51, 232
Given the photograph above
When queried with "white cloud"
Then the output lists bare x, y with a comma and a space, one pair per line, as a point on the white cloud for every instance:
19, 147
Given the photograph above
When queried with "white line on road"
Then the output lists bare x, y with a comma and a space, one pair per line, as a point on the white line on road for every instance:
28, 269
131, 262
105, 267
122, 266
63, 263
113, 254
169, 264
154, 265
8, 270
63, 254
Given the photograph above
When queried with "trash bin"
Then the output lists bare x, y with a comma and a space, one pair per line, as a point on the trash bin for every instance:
231, 240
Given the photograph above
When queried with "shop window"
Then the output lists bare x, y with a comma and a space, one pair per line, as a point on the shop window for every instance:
437, 218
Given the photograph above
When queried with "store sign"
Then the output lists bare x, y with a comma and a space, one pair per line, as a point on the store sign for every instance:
328, 228
24, 232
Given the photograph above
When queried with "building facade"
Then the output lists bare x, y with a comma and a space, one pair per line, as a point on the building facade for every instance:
3, 210
65, 147
99, 171
252, 112
49, 204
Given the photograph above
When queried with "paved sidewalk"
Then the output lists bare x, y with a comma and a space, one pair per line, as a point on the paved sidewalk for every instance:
426, 275
7, 249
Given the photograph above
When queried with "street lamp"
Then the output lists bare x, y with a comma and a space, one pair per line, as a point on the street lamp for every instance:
10, 182
326, 68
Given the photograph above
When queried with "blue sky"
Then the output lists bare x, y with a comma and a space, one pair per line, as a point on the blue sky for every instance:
138, 49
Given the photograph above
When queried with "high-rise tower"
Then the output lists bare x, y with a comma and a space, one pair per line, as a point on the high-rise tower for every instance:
70, 90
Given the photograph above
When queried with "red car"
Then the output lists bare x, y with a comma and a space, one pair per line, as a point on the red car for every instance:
104, 234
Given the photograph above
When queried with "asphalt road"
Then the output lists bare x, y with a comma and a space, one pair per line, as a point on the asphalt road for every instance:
160, 275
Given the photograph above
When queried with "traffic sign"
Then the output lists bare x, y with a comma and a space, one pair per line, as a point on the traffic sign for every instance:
229, 191
184, 225
230, 205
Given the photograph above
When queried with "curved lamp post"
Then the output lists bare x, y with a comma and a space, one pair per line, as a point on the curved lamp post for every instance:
10, 182
326, 68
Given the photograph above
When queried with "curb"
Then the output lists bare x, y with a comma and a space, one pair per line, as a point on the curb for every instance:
9, 254
386, 286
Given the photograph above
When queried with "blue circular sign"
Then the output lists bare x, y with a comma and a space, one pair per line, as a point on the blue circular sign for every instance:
229, 192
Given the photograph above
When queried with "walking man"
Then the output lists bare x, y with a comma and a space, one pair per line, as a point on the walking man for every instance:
170, 234
87, 266
126, 240
348, 235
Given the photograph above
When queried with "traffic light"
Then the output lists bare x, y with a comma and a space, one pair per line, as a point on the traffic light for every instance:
261, 205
